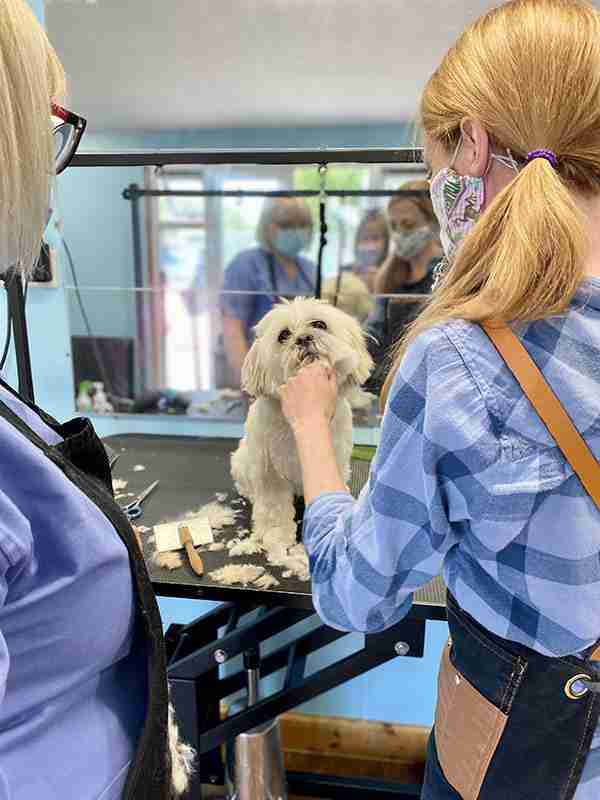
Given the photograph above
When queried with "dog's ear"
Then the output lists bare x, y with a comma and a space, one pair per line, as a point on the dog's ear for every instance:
254, 378
363, 363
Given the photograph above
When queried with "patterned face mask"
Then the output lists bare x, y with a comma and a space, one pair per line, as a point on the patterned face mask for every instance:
458, 200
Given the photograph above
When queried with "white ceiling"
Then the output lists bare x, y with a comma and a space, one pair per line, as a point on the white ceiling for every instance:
183, 64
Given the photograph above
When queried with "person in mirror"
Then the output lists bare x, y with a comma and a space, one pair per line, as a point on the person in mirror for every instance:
409, 268
467, 481
275, 268
371, 245
83, 684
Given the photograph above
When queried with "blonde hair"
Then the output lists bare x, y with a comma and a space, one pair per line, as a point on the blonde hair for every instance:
524, 258
31, 76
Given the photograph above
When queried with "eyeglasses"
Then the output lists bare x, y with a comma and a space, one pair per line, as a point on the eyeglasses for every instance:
67, 135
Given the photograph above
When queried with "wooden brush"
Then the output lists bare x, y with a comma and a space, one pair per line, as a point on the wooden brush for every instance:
185, 537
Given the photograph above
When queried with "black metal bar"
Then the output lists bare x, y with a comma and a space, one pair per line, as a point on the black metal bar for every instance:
296, 668
198, 633
234, 618
236, 642
284, 700
378, 649
322, 246
278, 659
162, 158
140, 372
182, 640
241, 193
224, 593
335, 788
16, 310
293, 600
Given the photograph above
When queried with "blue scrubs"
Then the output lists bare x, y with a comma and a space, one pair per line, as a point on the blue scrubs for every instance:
72, 687
250, 272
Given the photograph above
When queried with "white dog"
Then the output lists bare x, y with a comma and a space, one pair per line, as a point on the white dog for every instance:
265, 467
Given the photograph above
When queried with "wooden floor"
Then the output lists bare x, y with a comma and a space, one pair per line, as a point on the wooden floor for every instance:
354, 748
351, 748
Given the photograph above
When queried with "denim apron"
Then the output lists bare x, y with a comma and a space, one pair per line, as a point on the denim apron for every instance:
83, 460
511, 723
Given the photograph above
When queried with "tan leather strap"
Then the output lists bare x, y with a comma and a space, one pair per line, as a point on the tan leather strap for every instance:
548, 406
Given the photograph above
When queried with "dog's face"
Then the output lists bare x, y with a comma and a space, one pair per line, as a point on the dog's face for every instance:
295, 333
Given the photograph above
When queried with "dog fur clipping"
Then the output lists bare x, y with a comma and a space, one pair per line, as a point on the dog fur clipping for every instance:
182, 757
265, 467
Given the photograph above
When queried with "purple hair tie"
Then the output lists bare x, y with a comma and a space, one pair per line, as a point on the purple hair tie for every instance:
549, 155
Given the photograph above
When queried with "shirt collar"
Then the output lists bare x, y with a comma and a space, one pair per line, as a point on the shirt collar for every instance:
588, 293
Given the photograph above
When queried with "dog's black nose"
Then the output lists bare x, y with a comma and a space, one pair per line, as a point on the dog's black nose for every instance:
304, 341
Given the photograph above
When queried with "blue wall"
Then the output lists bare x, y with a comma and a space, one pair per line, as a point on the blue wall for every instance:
99, 234
382, 135
96, 224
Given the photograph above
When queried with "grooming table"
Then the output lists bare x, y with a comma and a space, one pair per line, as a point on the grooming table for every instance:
191, 472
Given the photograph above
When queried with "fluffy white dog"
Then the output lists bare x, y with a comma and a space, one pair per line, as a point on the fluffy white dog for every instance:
265, 467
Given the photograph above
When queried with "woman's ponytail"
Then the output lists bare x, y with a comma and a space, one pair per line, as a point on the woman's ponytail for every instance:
525, 257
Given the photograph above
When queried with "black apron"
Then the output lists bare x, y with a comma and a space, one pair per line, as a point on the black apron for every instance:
82, 459
508, 724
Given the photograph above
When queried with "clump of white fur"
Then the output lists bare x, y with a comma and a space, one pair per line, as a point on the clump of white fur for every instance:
218, 515
244, 547
182, 757
168, 560
293, 559
237, 573
266, 581
265, 467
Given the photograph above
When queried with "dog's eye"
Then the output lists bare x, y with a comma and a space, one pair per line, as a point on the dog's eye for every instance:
284, 336
318, 323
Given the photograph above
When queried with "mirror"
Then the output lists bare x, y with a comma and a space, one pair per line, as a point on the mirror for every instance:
171, 268
153, 297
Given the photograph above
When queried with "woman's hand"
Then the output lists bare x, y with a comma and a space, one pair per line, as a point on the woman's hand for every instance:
310, 396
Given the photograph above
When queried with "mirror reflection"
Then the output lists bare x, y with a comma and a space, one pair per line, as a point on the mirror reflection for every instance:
192, 258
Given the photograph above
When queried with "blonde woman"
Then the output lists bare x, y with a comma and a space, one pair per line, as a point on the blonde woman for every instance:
467, 480
83, 688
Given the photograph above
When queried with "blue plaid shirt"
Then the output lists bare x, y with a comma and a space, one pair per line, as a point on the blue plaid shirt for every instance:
467, 482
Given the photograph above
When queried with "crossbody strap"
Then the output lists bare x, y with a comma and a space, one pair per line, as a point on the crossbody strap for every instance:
548, 407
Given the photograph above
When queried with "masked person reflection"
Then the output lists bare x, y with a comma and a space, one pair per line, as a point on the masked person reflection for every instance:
467, 481
409, 269
371, 245
410, 265
274, 269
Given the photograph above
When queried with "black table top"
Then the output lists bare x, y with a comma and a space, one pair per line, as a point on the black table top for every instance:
191, 471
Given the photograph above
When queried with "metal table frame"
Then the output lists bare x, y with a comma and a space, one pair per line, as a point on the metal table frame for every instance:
195, 652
